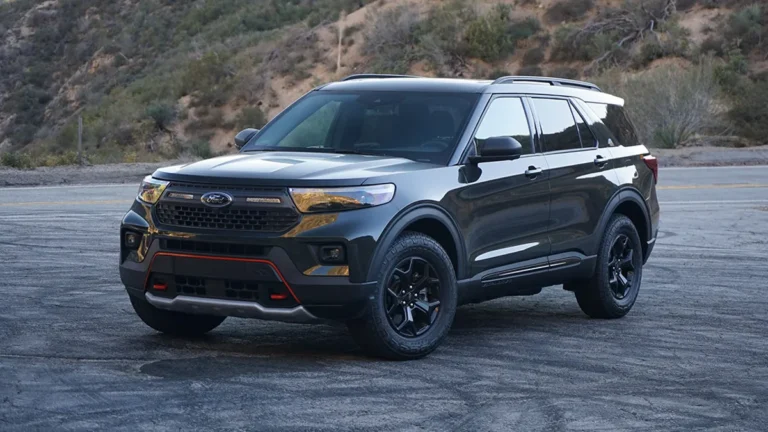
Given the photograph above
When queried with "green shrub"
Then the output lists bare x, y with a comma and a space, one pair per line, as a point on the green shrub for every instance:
250, 117
748, 26
669, 104
533, 56
567, 11
749, 112
390, 39
530, 71
200, 148
17, 160
487, 36
524, 28
497, 73
162, 113
565, 72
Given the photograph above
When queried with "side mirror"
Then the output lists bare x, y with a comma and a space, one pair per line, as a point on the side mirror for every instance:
244, 136
497, 149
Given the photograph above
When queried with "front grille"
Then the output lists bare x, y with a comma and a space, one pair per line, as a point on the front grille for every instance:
213, 248
227, 289
201, 216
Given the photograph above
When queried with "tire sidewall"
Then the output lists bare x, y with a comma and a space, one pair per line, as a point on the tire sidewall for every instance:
413, 245
620, 225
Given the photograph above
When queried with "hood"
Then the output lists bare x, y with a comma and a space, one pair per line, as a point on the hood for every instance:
289, 169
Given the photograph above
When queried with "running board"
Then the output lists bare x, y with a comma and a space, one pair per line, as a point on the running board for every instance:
505, 276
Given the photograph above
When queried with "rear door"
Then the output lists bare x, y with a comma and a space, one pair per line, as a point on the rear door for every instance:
580, 177
504, 206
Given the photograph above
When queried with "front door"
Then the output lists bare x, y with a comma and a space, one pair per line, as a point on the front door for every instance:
503, 209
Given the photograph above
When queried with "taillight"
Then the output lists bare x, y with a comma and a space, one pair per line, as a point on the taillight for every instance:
653, 164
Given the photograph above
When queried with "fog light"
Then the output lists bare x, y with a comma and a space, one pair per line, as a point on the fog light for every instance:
132, 240
332, 254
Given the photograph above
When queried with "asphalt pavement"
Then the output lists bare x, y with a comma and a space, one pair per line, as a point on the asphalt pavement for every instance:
692, 354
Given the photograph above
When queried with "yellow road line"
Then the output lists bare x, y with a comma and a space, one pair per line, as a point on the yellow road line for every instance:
717, 186
20, 204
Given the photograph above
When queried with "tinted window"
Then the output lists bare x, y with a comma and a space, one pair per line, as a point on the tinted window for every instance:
557, 125
418, 126
587, 138
615, 119
506, 117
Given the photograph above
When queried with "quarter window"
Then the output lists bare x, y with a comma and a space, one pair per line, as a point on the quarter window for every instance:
506, 117
616, 120
559, 130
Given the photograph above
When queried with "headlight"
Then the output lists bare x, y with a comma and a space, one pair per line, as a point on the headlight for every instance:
151, 189
339, 199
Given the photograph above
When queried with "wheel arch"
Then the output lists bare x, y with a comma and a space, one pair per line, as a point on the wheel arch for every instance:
630, 203
429, 219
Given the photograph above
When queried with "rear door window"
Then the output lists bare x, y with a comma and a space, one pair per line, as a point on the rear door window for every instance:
558, 127
587, 138
615, 118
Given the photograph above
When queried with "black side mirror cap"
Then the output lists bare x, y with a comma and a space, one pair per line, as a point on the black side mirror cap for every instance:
497, 149
244, 136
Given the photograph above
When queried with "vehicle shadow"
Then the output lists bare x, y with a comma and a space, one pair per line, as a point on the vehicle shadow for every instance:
238, 342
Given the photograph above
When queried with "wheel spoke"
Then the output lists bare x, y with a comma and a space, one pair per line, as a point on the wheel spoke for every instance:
623, 283
412, 299
407, 318
393, 308
626, 262
426, 307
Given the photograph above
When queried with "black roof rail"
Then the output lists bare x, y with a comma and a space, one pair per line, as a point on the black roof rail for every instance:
369, 76
552, 81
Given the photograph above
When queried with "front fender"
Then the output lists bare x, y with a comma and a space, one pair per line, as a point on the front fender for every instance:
408, 216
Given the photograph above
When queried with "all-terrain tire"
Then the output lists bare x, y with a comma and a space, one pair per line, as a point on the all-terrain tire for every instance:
175, 323
375, 332
596, 295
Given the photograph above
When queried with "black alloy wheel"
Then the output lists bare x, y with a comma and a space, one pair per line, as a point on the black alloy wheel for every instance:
612, 290
621, 268
413, 297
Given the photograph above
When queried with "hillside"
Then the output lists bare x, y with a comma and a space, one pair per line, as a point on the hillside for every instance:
156, 79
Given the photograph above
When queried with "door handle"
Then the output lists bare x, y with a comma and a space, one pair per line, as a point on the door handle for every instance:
532, 172
600, 161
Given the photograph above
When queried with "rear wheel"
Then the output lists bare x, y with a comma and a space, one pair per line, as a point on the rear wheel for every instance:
174, 323
414, 303
613, 289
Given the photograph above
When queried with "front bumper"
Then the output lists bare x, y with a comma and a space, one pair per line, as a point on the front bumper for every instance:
261, 263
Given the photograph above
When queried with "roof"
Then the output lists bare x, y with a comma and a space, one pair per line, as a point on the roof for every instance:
453, 85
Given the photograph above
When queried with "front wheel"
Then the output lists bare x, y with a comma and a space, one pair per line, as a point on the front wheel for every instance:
174, 323
613, 289
414, 303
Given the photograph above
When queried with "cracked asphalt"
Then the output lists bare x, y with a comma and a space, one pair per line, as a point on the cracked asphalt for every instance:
692, 354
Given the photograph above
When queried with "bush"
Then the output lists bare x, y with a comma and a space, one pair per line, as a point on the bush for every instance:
524, 28
567, 11
530, 71
487, 37
200, 148
533, 56
251, 117
17, 160
749, 112
669, 105
162, 113
497, 73
565, 72
391, 39
748, 26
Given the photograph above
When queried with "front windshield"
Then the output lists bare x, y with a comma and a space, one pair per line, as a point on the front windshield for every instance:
420, 126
